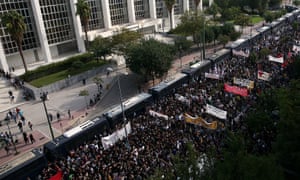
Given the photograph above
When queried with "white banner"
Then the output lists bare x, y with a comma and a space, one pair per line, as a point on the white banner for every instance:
263, 75
219, 113
243, 82
296, 48
212, 76
110, 140
157, 114
240, 53
275, 59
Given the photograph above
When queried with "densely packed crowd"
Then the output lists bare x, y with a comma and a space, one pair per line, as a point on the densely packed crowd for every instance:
154, 140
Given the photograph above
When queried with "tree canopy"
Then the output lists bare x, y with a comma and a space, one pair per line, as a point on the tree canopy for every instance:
101, 47
151, 64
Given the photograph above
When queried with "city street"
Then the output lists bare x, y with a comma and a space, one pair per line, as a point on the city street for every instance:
69, 99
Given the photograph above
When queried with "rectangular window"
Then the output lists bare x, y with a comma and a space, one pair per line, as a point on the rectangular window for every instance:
141, 8
118, 11
24, 8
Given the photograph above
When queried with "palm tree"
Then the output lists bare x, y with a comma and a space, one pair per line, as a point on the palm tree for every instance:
15, 26
170, 4
84, 12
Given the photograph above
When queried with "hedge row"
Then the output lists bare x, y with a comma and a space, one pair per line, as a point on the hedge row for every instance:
56, 67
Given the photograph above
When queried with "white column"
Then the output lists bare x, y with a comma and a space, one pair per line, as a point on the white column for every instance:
106, 14
210, 2
200, 7
131, 11
172, 23
36, 9
3, 60
152, 8
77, 27
186, 5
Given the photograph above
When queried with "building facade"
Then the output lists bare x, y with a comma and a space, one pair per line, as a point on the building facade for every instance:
53, 30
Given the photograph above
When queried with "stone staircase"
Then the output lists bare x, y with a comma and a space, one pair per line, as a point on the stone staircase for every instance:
5, 104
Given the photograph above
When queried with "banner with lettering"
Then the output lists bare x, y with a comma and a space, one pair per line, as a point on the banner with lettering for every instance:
240, 53
219, 113
243, 82
200, 121
236, 90
263, 75
276, 59
212, 76
120, 134
157, 114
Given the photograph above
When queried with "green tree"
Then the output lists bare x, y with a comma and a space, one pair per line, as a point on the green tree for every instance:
230, 13
296, 2
242, 20
238, 164
84, 12
170, 5
85, 93
15, 26
190, 24
287, 144
101, 47
123, 40
223, 39
182, 45
269, 16
213, 10
150, 64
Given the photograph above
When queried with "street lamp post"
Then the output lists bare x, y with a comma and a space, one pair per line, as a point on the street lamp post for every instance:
122, 109
12, 139
203, 46
44, 97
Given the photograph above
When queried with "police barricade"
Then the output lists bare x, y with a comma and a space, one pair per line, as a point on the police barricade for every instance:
132, 105
197, 68
75, 136
220, 55
166, 86
30, 165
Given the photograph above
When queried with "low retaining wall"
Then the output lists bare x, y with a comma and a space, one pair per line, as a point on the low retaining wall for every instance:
57, 86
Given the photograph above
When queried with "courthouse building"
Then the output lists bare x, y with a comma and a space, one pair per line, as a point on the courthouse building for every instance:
54, 31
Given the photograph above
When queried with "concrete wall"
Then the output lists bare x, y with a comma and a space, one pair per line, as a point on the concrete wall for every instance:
57, 86
54, 51
15, 59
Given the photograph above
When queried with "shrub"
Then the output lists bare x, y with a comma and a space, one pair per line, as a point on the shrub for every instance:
55, 67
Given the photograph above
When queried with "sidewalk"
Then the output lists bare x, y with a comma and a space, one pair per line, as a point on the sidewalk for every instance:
61, 101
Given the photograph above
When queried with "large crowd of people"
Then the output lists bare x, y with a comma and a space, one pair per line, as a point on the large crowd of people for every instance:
154, 140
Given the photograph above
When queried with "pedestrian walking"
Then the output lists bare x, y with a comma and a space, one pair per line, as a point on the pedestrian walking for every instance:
32, 140
30, 125
50, 116
25, 137
58, 116
69, 113
7, 150
20, 125
23, 120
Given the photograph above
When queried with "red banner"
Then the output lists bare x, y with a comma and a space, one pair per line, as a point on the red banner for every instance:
236, 90
57, 176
